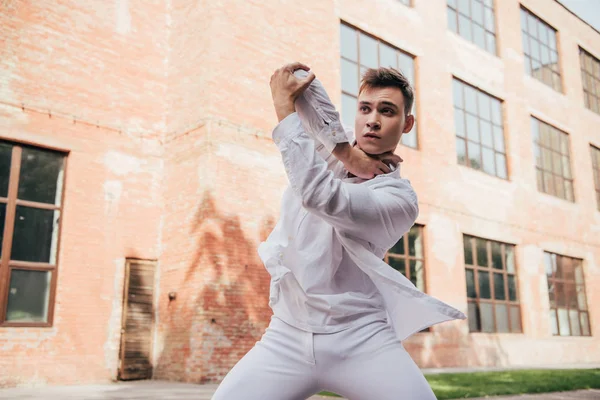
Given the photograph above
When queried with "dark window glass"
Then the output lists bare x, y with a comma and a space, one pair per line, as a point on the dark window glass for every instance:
28, 296
35, 236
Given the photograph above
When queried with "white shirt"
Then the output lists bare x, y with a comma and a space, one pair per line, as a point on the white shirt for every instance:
325, 253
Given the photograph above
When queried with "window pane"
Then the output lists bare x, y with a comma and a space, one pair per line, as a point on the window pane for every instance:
410, 139
535, 51
552, 40
477, 12
388, 57
482, 259
28, 296
552, 294
553, 322
563, 322
464, 27
488, 160
549, 264
501, 166
479, 36
502, 318
472, 128
486, 133
490, 42
417, 274
474, 323
585, 324
457, 92
463, 6
525, 42
489, 19
569, 190
398, 264
468, 250
515, 319
470, 276
497, 255
349, 106
559, 187
484, 285
415, 242
574, 317
540, 180
509, 254
398, 247
452, 24
470, 100
368, 51
474, 155
5, 160
348, 43
512, 288
350, 77
484, 106
461, 151
498, 139
406, 64
496, 112
41, 176
566, 168
581, 302
36, 235
459, 122
487, 317
499, 287
578, 273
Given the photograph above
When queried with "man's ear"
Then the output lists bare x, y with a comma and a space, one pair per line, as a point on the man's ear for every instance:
408, 124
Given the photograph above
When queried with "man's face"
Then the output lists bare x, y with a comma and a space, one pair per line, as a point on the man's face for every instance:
380, 120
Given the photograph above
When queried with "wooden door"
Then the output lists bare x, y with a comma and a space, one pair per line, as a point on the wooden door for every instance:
138, 320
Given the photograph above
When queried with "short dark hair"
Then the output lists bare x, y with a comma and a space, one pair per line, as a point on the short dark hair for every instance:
389, 77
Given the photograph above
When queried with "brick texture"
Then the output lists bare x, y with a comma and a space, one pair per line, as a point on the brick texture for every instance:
164, 108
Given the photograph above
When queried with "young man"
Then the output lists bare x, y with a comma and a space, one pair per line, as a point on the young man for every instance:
340, 312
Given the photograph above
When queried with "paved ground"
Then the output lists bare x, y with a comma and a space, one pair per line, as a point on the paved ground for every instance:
155, 390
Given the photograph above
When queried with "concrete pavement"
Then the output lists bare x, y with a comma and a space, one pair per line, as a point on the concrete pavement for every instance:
155, 390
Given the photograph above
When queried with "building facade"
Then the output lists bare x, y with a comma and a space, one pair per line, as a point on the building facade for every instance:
137, 177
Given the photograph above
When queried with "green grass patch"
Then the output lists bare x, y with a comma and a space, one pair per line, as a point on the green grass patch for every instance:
481, 384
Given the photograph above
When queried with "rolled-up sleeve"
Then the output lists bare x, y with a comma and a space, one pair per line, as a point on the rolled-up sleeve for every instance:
378, 213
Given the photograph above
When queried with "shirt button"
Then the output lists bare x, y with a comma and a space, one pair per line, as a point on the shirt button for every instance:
280, 255
277, 141
333, 133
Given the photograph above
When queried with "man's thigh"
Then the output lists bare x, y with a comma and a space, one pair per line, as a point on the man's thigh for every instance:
377, 368
275, 369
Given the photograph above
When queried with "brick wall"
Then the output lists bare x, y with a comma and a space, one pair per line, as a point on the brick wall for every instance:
181, 169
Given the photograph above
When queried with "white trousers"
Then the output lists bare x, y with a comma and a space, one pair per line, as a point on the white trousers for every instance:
366, 362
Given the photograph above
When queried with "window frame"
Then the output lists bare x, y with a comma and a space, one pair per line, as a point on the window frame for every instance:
542, 149
358, 31
476, 268
594, 79
457, 14
554, 309
407, 257
6, 264
479, 143
528, 59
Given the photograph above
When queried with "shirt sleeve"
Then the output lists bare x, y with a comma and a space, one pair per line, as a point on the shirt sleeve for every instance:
320, 119
379, 214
